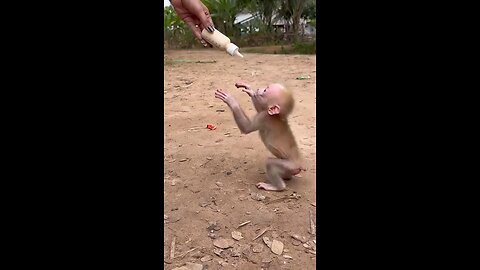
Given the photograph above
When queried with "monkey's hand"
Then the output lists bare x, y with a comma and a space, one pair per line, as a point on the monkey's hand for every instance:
246, 88
243, 85
225, 97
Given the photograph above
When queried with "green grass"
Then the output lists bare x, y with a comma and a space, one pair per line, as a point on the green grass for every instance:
296, 48
183, 61
305, 47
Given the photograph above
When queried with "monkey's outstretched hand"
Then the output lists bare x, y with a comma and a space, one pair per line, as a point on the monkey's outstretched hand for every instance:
225, 97
246, 88
242, 85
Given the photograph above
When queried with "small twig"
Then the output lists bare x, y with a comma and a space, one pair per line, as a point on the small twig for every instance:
291, 196
312, 224
278, 200
243, 224
201, 165
206, 61
261, 233
183, 255
172, 249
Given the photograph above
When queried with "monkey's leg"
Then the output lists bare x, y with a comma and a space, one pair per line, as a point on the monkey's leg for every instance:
277, 170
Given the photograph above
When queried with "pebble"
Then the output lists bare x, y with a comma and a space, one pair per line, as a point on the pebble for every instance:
266, 260
302, 239
223, 263
257, 248
277, 247
312, 245
194, 266
206, 258
223, 243
218, 252
257, 197
237, 235
288, 257
190, 266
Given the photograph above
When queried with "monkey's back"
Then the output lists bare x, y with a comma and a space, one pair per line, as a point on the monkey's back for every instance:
279, 139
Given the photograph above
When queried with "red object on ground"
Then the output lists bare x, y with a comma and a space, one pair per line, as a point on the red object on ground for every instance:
211, 126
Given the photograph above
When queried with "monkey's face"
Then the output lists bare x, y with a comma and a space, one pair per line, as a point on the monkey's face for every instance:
267, 96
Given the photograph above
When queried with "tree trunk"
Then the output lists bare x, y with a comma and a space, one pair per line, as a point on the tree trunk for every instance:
296, 24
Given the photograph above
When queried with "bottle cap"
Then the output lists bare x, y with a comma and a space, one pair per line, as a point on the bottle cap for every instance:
232, 49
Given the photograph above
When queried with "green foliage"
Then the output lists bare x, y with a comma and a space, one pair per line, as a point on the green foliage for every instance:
224, 13
176, 32
305, 47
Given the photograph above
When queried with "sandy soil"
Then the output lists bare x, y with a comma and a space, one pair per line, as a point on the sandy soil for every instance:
210, 175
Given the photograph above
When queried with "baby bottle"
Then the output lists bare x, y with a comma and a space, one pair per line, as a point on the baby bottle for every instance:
221, 41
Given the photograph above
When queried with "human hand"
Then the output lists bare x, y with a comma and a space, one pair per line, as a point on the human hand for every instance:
196, 15
225, 97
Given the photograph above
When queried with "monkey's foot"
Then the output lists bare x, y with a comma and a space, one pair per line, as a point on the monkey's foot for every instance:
269, 187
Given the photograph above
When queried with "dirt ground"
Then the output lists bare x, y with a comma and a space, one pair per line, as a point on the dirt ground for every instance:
210, 175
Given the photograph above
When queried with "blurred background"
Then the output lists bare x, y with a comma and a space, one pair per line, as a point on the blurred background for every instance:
262, 26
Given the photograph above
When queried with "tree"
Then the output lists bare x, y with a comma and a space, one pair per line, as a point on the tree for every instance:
224, 13
310, 13
292, 11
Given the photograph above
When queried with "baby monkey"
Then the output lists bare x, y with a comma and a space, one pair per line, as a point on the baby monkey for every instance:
273, 104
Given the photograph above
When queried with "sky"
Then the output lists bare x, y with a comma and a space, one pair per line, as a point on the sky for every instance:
166, 3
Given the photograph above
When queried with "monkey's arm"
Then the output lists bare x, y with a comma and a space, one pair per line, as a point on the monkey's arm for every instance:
243, 122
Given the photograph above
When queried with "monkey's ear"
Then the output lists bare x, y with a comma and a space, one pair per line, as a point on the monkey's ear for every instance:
274, 109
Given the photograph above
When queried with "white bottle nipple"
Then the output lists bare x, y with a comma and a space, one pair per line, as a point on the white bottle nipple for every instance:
238, 53
232, 49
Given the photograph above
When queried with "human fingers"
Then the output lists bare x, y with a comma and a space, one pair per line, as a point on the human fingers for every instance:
198, 9
193, 26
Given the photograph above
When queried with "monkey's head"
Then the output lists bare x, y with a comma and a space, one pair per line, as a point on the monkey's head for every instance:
275, 99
